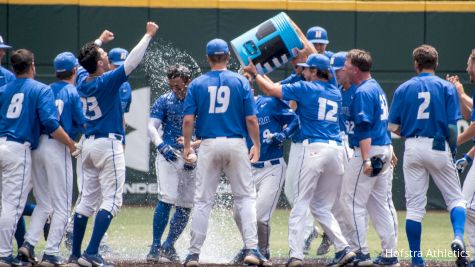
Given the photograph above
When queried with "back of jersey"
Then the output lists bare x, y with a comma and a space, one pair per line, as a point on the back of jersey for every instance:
221, 100
69, 107
25, 104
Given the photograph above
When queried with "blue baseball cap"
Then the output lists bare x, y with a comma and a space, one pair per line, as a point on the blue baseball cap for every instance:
317, 61
217, 47
338, 60
3, 45
117, 56
317, 35
65, 61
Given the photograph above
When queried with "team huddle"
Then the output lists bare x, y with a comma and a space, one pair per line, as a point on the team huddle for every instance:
339, 172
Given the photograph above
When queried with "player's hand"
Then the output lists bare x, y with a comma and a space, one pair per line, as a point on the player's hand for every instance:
455, 80
367, 169
278, 138
462, 163
180, 140
167, 152
251, 68
151, 28
394, 160
76, 151
254, 154
106, 36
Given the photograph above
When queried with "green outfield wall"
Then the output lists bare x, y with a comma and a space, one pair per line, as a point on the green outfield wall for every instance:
389, 30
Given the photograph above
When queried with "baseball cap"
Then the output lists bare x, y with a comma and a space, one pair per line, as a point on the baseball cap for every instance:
217, 47
65, 61
338, 60
317, 61
3, 45
117, 56
317, 35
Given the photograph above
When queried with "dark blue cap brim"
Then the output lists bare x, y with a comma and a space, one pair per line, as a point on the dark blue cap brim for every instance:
305, 65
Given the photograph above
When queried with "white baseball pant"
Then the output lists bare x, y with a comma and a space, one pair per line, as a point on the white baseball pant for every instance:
52, 179
420, 161
231, 156
468, 191
364, 195
15, 163
103, 167
321, 174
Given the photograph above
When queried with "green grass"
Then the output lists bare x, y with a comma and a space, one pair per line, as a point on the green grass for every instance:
130, 235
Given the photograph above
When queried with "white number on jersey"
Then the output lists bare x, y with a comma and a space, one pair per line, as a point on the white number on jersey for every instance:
422, 113
60, 106
267, 136
16, 105
90, 104
322, 110
350, 126
218, 96
384, 107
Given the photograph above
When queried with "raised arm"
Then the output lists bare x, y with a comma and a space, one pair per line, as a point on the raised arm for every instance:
137, 53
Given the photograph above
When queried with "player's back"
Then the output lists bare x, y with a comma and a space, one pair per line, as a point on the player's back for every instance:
69, 106
221, 100
100, 98
426, 104
22, 103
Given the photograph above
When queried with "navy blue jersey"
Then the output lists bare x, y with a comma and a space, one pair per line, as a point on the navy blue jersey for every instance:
101, 102
424, 106
272, 114
319, 105
169, 109
25, 106
370, 106
125, 96
346, 123
69, 107
6, 76
293, 78
221, 100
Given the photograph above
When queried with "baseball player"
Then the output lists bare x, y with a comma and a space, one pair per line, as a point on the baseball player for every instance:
52, 174
468, 189
319, 103
319, 38
103, 164
31, 103
223, 105
175, 179
117, 58
425, 111
364, 191
277, 122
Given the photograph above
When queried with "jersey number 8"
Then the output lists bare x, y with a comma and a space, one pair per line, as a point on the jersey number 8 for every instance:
16, 105
218, 96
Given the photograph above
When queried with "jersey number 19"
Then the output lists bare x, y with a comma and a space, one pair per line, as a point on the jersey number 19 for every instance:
218, 96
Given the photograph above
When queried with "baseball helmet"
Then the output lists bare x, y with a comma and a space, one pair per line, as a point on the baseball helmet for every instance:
337, 61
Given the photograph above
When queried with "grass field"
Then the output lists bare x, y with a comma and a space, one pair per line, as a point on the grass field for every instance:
130, 235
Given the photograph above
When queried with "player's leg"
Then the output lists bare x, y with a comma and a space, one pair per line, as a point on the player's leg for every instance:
416, 180
469, 195
15, 163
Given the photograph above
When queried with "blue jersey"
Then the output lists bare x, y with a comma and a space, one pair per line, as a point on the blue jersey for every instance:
319, 105
25, 106
347, 125
169, 110
424, 106
272, 114
125, 96
69, 107
221, 100
329, 54
6, 76
370, 106
101, 103
293, 78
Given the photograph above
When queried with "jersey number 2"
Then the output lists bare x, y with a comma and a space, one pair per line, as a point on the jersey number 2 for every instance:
16, 105
322, 110
90, 105
422, 114
218, 96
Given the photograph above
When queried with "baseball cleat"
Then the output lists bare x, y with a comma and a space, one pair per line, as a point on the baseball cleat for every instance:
342, 257
386, 261
362, 259
294, 262
324, 246
239, 258
12, 261
73, 261
91, 260
308, 241
154, 254
170, 254
51, 261
458, 247
254, 257
27, 253
192, 260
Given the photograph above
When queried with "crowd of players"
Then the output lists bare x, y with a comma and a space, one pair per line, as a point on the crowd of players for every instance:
339, 172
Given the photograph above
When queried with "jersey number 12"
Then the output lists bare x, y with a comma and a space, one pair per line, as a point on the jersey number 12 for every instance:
329, 115
218, 96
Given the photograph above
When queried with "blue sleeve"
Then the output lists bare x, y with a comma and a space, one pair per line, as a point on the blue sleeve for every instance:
363, 107
292, 91
158, 110
78, 115
473, 110
453, 105
285, 116
395, 109
249, 104
191, 106
81, 74
47, 110
115, 78
363, 131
